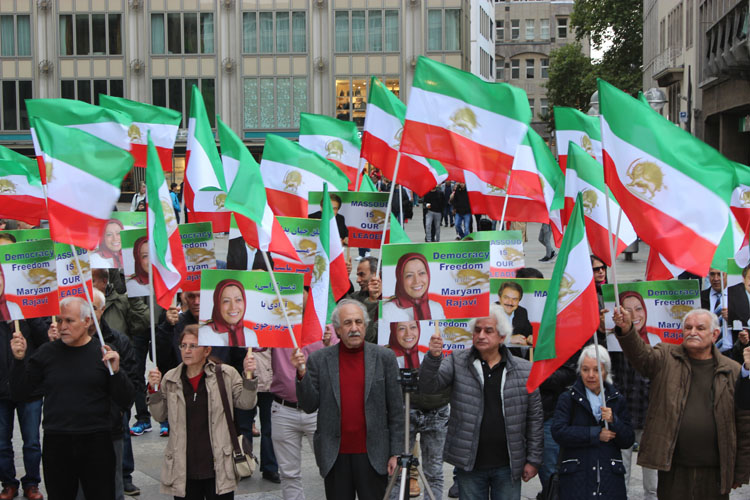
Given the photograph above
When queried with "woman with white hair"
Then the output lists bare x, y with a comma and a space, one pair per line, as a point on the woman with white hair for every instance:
590, 457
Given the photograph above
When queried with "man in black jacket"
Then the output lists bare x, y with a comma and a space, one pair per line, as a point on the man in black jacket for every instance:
434, 202
460, 201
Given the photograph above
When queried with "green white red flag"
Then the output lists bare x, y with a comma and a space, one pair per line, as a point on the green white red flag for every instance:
740, 204
581, 129
459, 119
161, 123
335, 140
290, 172
106, 124
247, 198
84, 174
674, 188
381, 139
164, 242
585, 175
571, 311
205, 185
21, 194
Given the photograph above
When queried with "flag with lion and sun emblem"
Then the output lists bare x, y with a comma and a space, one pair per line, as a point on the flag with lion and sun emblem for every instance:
571, 125
335, 140
21, 194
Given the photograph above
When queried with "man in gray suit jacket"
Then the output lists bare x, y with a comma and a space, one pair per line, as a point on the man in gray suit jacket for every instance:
354, 386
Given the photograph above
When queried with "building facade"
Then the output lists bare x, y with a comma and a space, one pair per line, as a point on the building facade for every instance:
258, 63
482, 39
525, 34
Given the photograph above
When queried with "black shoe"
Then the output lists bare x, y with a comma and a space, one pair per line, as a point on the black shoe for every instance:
272, 476
544, 259
130, 489
453, 491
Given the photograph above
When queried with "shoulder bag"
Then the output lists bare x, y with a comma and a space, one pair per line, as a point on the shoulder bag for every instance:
242, 456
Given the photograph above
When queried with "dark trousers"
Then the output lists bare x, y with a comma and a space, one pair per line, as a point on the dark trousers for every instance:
267, 456
128, 462
352, 473
72, 458
29, 418
690, 483
203, 489
140, 346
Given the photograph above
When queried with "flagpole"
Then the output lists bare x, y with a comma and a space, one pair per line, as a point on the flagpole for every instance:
400, 206
388, 211
281, 301
601, 379
359, 176
723, 306
151, 300
611, 246
88, 298
614, 247
505, 204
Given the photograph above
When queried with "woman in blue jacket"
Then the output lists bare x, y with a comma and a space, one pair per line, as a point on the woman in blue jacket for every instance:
590, 460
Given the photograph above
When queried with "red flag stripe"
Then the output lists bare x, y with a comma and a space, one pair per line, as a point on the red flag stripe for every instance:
286, 204
139, 154
68, 224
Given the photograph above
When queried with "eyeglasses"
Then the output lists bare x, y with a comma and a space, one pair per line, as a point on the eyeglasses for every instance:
599, 268
185, 347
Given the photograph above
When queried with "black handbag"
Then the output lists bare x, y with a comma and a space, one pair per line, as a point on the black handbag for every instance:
245, 462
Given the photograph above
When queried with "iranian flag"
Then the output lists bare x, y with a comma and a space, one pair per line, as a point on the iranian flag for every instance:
490, 200
290, 171
381, 139
205, 185
335, 140
585, 176
330, 279
740, 204
571, 311
106, 124
674, 188
161, 123
247, 198
84, 174
21, 194
457, 118
660, 269
581, 129
164, 243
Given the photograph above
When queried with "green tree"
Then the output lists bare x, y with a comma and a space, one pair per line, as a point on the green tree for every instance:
571, 78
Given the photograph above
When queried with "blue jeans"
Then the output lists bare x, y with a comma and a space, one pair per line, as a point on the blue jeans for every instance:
29, 417
549, 456
462, 224
492, 484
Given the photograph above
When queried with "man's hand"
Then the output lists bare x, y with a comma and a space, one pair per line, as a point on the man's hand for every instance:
249, 364
744, 337
298, 361
607, 414
173, 315
154, 378
725, 314
18, 345
53, 333
112, 356
623, 319
518, 339
327, 335
746, 357
436, 345
529, 471
602, 312
375, 288
392, 463
606, 435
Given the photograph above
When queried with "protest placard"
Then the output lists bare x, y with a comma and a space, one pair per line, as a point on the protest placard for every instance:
304, 234
657, 308
22, 235
506, 251
69, 283
530, 306
436, 280
28, 281
135, 262
240, 308
364, 214
198, 245
108, 254
414, 337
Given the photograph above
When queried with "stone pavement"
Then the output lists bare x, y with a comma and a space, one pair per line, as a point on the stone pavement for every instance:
149, 447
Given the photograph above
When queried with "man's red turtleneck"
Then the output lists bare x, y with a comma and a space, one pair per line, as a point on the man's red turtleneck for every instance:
352, 385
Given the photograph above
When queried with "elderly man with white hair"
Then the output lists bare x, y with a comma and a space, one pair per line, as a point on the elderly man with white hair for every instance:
694, 436
495, 430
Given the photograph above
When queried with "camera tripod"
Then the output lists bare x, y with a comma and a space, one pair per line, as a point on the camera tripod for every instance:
408, 380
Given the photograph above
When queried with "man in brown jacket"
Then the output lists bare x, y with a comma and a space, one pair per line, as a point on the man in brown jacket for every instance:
693, 435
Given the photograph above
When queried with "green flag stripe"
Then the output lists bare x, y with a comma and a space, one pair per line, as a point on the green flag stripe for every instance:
290, 153
247, 196
9, 167
154, 181
311, 124
573, 119
140, 111
547, 166
71, 112
204, 135
9, 154
383, 98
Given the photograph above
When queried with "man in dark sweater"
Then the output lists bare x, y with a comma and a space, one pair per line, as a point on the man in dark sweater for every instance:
462, 208
434, 202
78, 391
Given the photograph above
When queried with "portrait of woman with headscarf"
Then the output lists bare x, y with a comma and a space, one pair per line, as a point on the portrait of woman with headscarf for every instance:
137, 282
411, 300
634, 303
8, 310
226, 326
109, 253
404, 342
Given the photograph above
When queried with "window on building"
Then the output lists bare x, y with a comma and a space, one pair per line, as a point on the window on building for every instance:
89, 90
515, 69
545, 68
371, 31
562, 27
515, 29
375, 31
500, 31
529, 68
543, 108
15, 35
452, 29
341, 25
13, 114
273, 103
544, 28
183, 33
444, 29
531, 105
689, 25
529, 29
175, 93
500, 70
75, 34
492, 65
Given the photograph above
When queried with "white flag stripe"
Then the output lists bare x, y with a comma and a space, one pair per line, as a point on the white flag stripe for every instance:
383, 125
599, 213
578, 276
162, 135
111, 132
199, 171
265, 228
21, 187
274, 173
231, 167
563, 137
65, 175
493, 130
318, 143
679, 190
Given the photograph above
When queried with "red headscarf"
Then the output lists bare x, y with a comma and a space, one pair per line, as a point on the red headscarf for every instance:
403, 300
236, 332
4, 312
411, 356
642, 332
141, 275
105, 252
